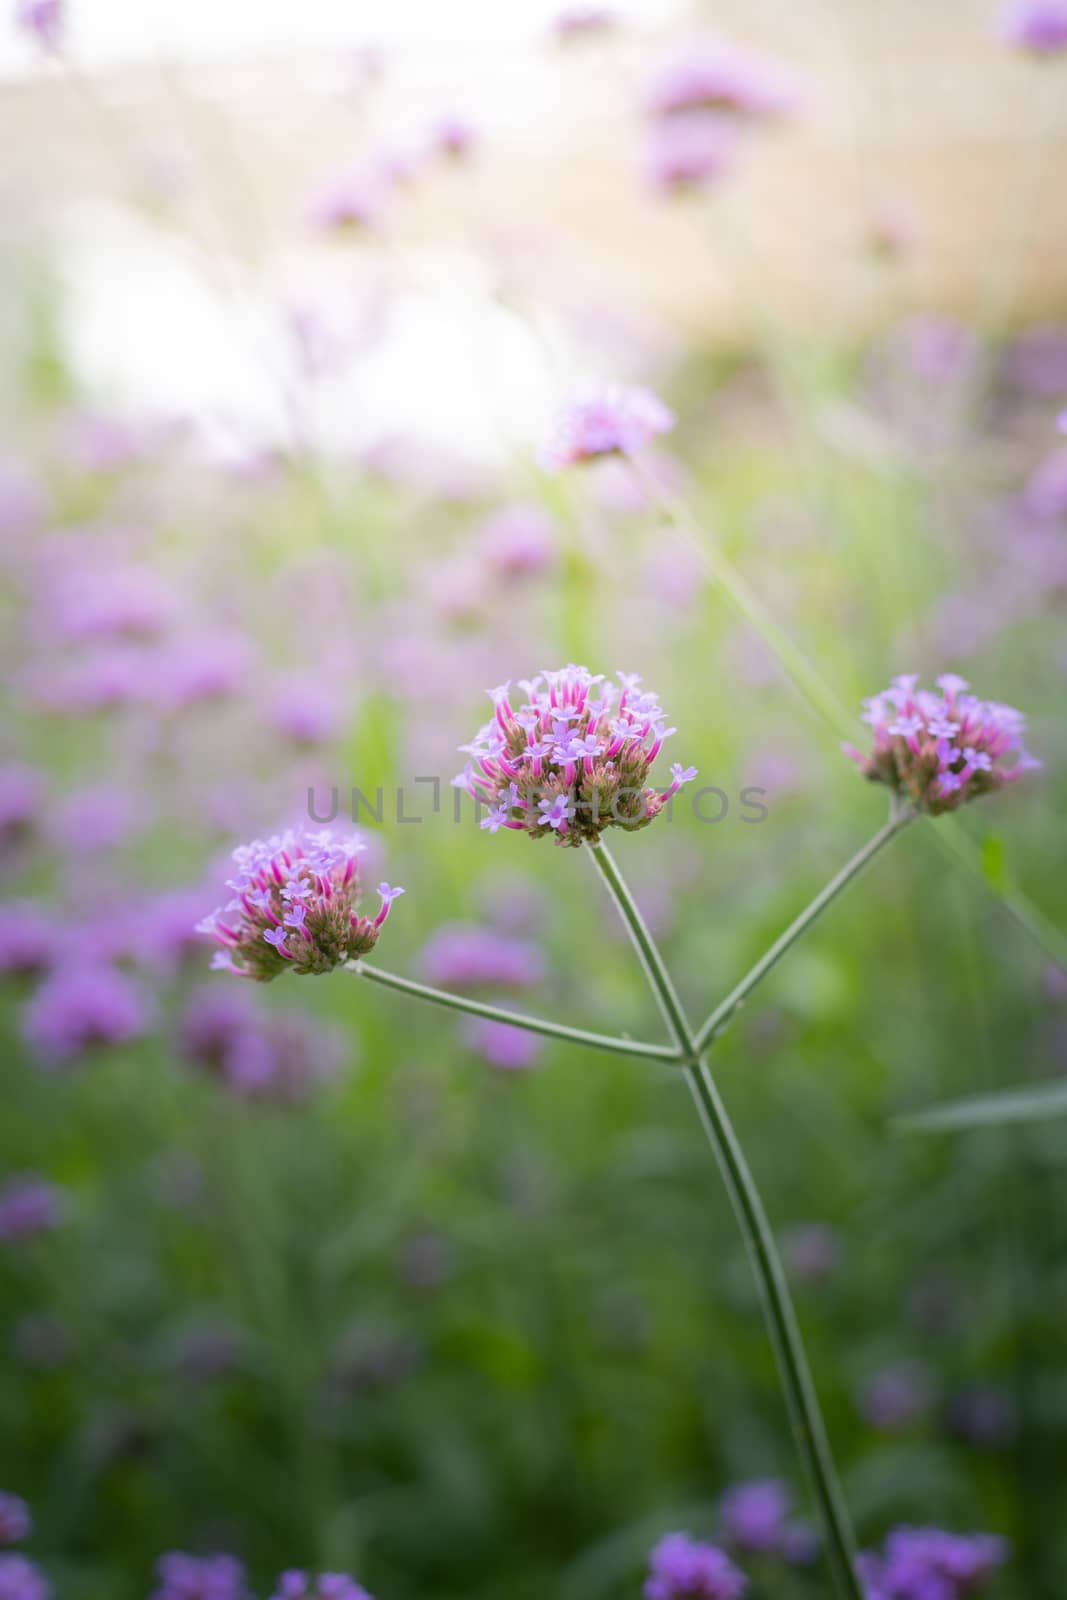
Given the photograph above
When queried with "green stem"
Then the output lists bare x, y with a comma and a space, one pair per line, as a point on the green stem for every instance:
660, 981
516, 1019
723, 1014
802, 1401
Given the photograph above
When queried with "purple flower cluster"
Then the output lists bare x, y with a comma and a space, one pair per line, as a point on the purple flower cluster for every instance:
327, 1586
940, 750
613, 421
84, 1006
927, 1564
281, 1057
756, 1518
185, 1577
42, 19
573, 761
463, 955
21, 1580
699, 99
502, 1046
714, 74
22, 792
294, 907
28, 940
685, 152
29, 1205
15, 1520
680, 1568
1037, 26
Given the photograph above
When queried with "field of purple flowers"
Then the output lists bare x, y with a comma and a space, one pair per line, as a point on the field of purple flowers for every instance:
348, 1288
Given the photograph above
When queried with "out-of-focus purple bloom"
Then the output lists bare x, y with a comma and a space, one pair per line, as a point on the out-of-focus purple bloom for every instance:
687, 152
510, 1049
754, 1515
936, 349
327, 1586
294, 907
305, 710
200, 667
86, 603
185, 1577
518, 542
99, 442
927, 1564
584, 22
29, 939
42, 20
571, 762
1037, 26
463, 955
166, 937
15, 1519
83, 1005
206, 1349
1036, 363
29, 1205
95, 818
353, 202
983, 1416
896, 1399
22, 792
22, 1580
940, 750
717, 75
425, 1261
453, 136
105, 679
812, 1251
609, 422
1046, 491
891, 230
281, 1057
680, 1568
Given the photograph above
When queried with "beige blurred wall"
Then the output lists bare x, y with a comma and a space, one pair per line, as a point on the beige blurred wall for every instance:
914, 105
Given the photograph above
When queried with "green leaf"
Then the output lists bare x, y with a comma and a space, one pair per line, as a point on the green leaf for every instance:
1035, 1104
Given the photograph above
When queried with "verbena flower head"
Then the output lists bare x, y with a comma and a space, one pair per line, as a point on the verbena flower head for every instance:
184, 1577
717, 75
15, 1520
896, 1398
83, 1006
350, 203
1037, 26
462, 955
507, 1048
927, 1564
754, 1515
281, 1057
572, 761
682, 1569
686, 152
43, 19
327, 1586
21, 1580
294, 907
941, 749
614, 421
29, 939
29, 1205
